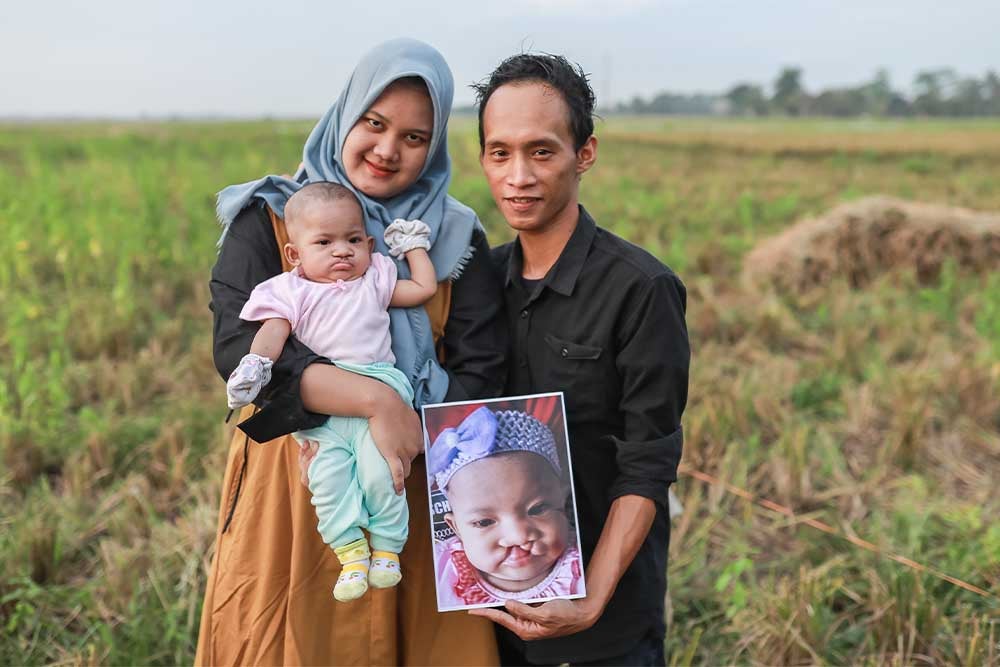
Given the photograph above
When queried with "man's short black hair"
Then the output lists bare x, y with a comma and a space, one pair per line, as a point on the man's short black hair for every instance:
554, 71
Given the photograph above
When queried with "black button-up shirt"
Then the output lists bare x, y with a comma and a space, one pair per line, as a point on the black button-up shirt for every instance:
606, 327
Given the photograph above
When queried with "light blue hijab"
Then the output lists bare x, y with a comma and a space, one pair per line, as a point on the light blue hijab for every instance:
450, 221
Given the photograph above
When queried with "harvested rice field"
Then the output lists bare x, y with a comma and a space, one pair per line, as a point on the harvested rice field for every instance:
864, 397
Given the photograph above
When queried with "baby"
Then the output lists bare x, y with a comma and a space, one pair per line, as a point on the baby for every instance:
501, 475
334, 301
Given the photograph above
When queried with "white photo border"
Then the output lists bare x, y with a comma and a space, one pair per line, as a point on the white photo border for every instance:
572, 487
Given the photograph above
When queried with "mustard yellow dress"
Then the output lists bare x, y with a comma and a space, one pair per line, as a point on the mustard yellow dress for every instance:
268, 599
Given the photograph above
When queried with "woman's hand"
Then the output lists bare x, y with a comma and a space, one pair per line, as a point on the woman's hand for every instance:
307, 452
395, 427
401, 429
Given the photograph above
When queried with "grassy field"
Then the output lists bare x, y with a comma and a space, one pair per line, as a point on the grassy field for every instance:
876, 411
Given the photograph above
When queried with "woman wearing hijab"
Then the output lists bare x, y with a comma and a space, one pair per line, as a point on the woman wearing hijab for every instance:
268, 597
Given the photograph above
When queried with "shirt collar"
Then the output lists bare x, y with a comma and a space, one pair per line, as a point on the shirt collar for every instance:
564, 273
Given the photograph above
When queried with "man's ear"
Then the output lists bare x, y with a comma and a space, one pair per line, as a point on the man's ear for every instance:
587, 155
291, 254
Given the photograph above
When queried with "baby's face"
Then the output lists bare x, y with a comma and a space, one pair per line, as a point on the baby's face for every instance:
509, 512
327, 240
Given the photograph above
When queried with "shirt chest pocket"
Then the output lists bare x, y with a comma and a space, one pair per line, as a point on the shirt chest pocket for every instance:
580, 372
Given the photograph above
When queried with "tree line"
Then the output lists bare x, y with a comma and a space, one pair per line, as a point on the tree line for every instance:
939, 92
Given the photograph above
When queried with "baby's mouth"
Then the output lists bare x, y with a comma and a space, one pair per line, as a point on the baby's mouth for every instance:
517, 556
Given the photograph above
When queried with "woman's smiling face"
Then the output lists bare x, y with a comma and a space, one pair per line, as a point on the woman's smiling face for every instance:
386, 149
509, 512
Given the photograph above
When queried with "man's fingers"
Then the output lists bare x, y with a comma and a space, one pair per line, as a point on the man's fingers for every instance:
521, 610
499, 617
517, 626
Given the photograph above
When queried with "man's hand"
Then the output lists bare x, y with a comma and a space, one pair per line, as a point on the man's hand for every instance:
626, 527
395, 428
551, 619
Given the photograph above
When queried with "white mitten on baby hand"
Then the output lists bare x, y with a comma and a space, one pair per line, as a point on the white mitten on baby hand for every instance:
252, 375
403, 236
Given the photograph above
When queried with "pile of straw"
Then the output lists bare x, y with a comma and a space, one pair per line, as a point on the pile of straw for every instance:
864, 239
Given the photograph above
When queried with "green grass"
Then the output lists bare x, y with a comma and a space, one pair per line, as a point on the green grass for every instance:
876, 411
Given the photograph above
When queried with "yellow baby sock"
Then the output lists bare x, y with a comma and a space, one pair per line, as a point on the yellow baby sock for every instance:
385, 571
353, 580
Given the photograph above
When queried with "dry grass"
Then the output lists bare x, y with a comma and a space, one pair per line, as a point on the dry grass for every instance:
873, 236
873, 405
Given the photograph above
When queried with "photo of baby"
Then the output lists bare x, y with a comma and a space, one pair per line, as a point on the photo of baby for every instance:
503, 510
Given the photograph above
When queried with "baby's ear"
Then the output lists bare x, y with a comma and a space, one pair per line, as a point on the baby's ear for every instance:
371, 244
291, 254
449, 519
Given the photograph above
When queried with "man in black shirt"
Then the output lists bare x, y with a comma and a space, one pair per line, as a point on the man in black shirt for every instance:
603, 321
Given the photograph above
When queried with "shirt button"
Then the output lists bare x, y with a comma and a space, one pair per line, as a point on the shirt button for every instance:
564, 353
524, 314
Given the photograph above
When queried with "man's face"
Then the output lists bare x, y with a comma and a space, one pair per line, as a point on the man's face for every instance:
528, 155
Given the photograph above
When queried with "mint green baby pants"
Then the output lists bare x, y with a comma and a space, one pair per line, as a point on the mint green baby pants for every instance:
350, 482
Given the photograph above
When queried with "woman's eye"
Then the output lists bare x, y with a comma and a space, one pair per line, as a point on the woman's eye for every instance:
483, 523
377, 124
415, 139
536, 510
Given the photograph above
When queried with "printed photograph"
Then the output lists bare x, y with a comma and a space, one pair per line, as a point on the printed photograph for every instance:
503, 512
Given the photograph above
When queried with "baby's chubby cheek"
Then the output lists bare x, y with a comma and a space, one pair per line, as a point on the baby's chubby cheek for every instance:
485, 557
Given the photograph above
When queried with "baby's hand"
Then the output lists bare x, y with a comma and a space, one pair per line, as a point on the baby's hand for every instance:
403, 236
252, 375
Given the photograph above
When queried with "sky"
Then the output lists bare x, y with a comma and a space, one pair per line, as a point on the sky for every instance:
289, 58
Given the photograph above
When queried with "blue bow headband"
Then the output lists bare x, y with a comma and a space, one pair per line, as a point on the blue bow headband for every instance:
485, 433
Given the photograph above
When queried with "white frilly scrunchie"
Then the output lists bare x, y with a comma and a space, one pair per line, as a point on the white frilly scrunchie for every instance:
403, 236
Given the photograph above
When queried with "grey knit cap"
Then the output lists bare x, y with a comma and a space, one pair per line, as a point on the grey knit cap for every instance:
485, 433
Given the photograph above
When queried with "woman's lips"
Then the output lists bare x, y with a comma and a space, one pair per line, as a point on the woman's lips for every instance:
377, 171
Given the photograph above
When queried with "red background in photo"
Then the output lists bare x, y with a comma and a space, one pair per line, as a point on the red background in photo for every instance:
543, 408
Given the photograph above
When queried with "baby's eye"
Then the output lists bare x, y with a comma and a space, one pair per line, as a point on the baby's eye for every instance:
540, 508
323, 242
355, 239
483, 523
